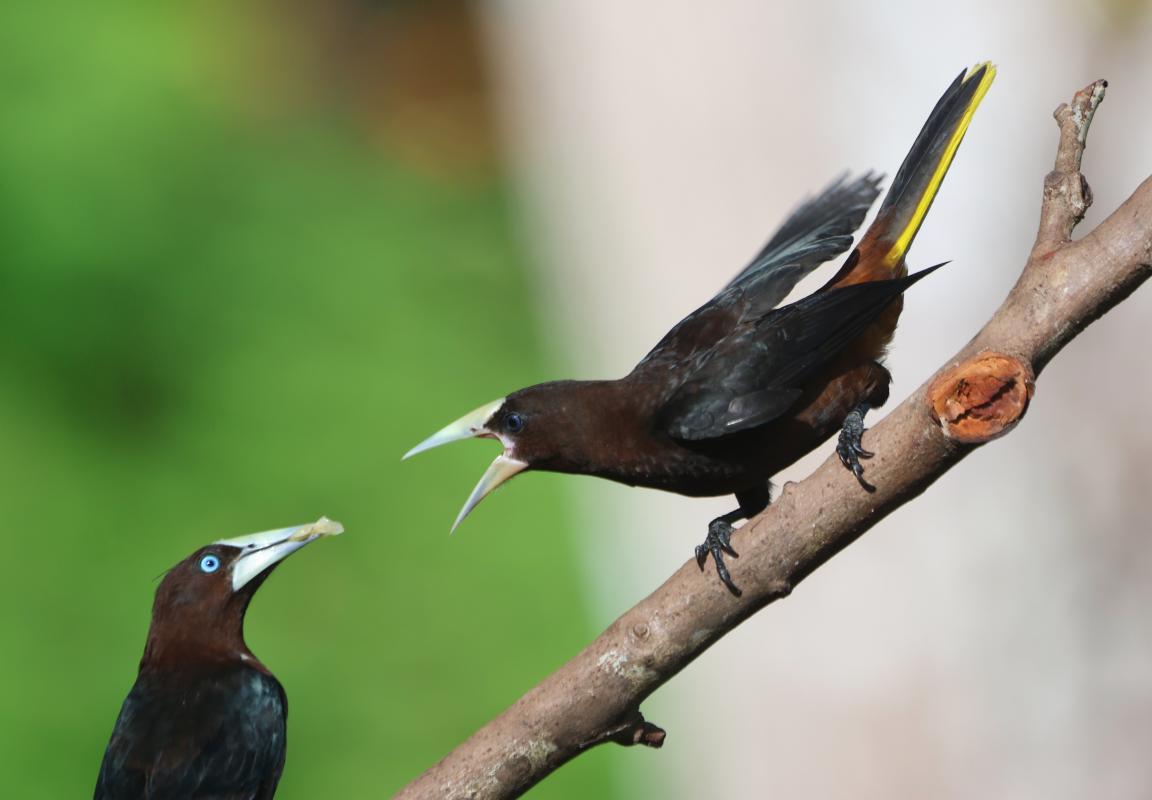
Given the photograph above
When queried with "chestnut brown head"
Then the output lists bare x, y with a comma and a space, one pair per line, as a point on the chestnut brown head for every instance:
542, 427
200, 604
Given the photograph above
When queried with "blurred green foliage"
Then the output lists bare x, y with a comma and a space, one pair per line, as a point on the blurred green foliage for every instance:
216, 323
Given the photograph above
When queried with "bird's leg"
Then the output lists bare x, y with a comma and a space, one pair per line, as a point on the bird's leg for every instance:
718, 542
850, 448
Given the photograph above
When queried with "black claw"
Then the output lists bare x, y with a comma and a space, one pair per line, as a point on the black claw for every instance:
849, 446
717, 543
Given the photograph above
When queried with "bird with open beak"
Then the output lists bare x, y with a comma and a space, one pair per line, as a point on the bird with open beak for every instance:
205, 719
741, 388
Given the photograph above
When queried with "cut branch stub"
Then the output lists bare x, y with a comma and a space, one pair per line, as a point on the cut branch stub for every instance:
981, 398
634, 730
643, 732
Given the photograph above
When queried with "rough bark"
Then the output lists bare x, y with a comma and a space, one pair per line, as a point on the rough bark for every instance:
979, 394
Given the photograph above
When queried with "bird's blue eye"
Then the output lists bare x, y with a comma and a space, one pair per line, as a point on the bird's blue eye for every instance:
514, 423
209, 564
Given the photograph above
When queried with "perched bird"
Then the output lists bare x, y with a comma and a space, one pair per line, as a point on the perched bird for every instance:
205, 718
740, 389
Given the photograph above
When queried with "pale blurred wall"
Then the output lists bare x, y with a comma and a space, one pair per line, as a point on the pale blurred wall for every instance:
992, 638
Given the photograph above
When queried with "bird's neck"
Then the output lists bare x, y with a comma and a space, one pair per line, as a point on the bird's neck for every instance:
196, 635
595, 425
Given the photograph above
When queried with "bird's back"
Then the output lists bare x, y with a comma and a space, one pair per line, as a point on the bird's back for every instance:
212, 733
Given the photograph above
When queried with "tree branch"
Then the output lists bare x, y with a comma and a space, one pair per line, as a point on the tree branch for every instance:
978, 395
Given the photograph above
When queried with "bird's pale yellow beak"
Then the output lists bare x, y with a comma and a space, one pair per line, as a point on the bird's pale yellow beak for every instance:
498, 471
473, 425
259, 551
469, 426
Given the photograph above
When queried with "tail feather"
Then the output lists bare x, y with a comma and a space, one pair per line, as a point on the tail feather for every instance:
886, 242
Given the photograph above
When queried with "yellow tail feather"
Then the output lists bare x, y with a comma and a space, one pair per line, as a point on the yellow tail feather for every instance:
904, 240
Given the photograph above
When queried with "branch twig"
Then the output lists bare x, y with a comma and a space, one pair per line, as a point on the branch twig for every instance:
981, 393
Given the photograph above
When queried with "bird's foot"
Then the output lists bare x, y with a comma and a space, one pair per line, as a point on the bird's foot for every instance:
717, 543
850, 448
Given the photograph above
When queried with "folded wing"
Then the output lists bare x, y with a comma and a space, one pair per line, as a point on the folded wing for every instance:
757, 372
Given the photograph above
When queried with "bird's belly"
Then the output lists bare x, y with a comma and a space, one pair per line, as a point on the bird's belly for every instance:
749, 459
692, 469
640, 456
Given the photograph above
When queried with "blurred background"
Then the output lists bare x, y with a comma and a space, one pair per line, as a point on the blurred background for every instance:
253, 251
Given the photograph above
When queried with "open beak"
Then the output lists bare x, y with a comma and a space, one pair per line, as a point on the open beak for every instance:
469, 426
499, 471
261, 551
473, 425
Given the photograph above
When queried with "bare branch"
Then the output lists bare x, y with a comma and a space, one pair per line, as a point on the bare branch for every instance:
976, 396
1066, 193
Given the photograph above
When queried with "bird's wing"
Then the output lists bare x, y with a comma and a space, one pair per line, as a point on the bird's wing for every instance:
693, 336
818, 230
223, 739
121, 773
757, 373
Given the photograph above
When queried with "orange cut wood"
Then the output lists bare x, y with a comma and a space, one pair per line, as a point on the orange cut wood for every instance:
982, 398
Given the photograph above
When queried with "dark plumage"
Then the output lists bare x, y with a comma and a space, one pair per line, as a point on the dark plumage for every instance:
740, 389
205, 719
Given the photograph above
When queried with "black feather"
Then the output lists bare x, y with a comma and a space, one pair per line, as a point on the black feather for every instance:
220, 735
817, 231
756, 373
920, 164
